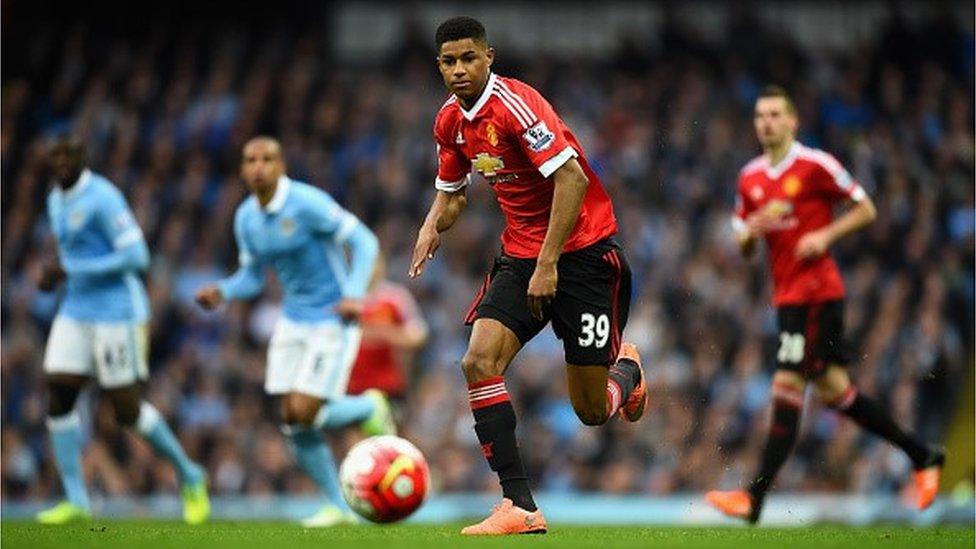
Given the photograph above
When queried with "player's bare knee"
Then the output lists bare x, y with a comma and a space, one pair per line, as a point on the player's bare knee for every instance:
591, 411
304, 416
789, 379
591, 415
61, 397
479, 366
126, 409
828, 390
298, 411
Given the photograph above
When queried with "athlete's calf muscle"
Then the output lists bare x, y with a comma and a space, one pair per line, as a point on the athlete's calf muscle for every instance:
588, 392
490, 350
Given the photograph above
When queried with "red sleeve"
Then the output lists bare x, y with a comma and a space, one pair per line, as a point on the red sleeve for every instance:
453, 167
743, 207
834, 181
537, 126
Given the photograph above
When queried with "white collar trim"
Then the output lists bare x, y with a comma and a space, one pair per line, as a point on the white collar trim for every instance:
485, 95
79, 185
773, 172
280, 195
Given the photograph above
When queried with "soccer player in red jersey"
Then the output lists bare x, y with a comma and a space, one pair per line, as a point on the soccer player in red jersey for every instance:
393, 329
559, 261
787, 196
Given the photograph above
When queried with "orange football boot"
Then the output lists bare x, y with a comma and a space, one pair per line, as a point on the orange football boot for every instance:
507, 519
633, 409
927, 479
735, 503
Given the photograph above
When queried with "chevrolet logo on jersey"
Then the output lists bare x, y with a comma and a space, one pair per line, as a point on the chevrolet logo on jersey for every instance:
487, 164
778, 208
792, 185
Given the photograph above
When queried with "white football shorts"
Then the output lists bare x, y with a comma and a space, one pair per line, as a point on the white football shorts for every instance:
311, 358
114, 353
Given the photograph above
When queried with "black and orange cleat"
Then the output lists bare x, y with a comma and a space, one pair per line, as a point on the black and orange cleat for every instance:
633, 409
736, 504
927, 478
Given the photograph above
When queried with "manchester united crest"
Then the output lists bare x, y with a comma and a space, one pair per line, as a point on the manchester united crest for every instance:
492, 134
792, 185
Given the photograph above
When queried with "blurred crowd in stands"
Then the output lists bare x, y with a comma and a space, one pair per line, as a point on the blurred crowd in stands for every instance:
165, 112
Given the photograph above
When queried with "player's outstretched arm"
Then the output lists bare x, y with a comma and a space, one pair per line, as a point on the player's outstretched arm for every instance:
816, 243
246, 283
445, 210
364, 249
134, 257
117, 223
570, 185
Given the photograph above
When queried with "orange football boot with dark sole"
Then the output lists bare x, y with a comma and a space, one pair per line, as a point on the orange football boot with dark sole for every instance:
736, 504
633, 409
507, 519
927, 478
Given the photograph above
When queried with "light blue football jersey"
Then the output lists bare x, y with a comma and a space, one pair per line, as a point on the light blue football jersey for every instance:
301, 234
102, 250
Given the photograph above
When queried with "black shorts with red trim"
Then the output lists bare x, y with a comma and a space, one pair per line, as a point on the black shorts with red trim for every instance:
588, 313
811, 337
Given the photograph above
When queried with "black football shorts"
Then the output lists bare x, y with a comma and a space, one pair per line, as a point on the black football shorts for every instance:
588, 313
811, 337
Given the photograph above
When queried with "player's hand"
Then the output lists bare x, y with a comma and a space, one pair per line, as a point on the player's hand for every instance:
209, 297
542, 288
760, 223
428, 240
349, 309
812, 245
50, 275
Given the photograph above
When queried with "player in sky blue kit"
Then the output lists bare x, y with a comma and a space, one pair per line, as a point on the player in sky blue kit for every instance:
299, 231
101, 329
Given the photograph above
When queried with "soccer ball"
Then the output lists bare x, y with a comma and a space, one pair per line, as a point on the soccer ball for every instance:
384, 478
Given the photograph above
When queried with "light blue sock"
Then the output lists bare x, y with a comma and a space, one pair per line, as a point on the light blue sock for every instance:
66, 441
315, 458
347, 410
153, 428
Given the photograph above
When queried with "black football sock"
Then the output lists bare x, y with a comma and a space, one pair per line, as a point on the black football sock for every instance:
622, 379
787, 403
494, 423
870, 415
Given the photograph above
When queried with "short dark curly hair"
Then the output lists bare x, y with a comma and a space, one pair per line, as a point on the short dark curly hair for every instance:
459, 28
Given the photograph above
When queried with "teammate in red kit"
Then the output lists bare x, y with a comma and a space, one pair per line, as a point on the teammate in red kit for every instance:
559, 261
787, 196
393, 329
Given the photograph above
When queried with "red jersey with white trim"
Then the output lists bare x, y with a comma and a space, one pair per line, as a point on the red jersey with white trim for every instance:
514, 138
378, 365
801, 192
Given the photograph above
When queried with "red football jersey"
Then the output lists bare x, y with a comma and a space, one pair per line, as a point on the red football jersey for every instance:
801, 191
378, 365
514, 138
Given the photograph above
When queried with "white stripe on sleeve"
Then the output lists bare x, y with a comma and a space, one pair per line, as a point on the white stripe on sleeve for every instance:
452, 186
554, 163
346, 226
128, 238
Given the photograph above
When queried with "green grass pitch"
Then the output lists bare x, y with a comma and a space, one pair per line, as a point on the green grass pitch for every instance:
271, 535
277, 535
